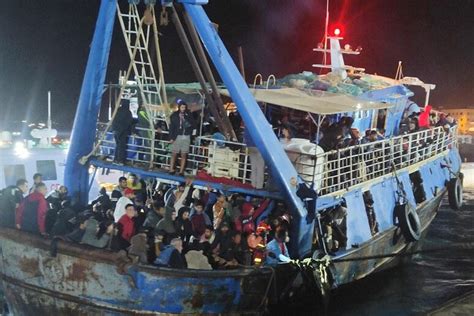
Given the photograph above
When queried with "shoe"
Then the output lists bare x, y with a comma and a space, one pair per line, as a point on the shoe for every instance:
171, 172
181, 174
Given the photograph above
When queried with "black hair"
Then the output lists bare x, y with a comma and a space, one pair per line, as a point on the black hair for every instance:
128, 205
103, 228
122, 179
198, 203
158, 204
20, 182
37, 175
281, 234
210, 227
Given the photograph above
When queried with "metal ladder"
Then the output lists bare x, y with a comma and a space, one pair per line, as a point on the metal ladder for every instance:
137, 34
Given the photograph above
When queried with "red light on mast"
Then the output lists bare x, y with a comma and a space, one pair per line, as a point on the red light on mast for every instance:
336, 30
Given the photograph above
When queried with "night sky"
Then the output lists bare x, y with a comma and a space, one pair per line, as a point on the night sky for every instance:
44, 46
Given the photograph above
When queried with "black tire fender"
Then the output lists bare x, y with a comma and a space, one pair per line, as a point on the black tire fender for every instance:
455, 192
409, 221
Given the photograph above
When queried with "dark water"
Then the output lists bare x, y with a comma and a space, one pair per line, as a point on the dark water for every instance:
423, 283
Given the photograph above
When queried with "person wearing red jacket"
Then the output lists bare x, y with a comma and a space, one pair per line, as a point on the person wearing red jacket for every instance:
31, 214
246, 222
127, 222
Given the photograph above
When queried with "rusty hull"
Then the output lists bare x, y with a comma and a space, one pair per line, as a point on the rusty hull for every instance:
86, 281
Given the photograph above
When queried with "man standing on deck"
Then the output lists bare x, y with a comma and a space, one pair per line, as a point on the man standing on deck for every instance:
9, 202
31, 214
181, 128
122, 127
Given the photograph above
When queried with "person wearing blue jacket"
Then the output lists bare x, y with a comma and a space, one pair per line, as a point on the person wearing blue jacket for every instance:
277, 248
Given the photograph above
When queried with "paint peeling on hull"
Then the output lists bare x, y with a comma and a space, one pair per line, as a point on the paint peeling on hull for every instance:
81, 281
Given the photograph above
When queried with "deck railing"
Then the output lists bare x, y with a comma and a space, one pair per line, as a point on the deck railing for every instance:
218, 158
340, 169
331, 171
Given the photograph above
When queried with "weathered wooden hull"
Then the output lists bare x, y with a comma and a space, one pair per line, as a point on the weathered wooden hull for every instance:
84, 281
390, 241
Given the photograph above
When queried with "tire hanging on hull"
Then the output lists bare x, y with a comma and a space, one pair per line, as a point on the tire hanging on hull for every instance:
409, 221
455, 192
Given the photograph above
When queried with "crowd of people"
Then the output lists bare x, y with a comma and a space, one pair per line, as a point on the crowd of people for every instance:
171, 226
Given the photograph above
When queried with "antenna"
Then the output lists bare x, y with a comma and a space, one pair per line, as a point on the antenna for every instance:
49, 116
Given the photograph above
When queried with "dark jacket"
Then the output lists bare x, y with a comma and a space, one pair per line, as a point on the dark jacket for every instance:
31, 214
10, 199
184, 228
170, 257
123, 120
181, 129
63, 224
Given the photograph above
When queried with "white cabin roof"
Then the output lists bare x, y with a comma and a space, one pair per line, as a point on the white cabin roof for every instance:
313, 101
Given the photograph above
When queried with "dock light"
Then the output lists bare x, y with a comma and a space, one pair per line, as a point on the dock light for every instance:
337, 31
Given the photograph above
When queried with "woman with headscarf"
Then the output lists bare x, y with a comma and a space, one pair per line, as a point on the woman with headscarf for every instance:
183, 225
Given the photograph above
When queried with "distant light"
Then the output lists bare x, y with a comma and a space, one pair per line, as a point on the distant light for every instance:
21, 151
358, 106
337, 31
24, 121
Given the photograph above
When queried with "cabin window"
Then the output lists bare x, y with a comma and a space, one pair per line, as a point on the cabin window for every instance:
369, 209
417, 187
47, 168
13, 173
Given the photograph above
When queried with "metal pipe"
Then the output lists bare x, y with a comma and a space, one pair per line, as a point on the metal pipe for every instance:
197, 70
241, 61
229, 131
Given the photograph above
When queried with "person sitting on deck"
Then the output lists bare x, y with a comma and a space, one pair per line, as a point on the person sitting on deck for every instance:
126, 199
171, 255
97, 234
127, 222
184, 227
117, 192
155, 215
166, 225
10, 200
31, 214
277, 248
218, 211
181, 128
122, 127
199, 220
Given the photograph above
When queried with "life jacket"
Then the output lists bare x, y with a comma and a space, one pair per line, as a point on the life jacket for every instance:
164, 258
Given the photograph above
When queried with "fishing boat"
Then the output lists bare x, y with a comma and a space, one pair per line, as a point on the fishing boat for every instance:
353, 209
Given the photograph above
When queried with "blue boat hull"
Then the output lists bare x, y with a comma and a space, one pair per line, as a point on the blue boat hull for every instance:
80, 281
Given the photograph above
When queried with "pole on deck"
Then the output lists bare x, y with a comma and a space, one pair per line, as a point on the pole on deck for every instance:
228, 130
197, 70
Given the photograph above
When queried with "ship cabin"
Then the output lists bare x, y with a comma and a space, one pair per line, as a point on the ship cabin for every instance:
356, 179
